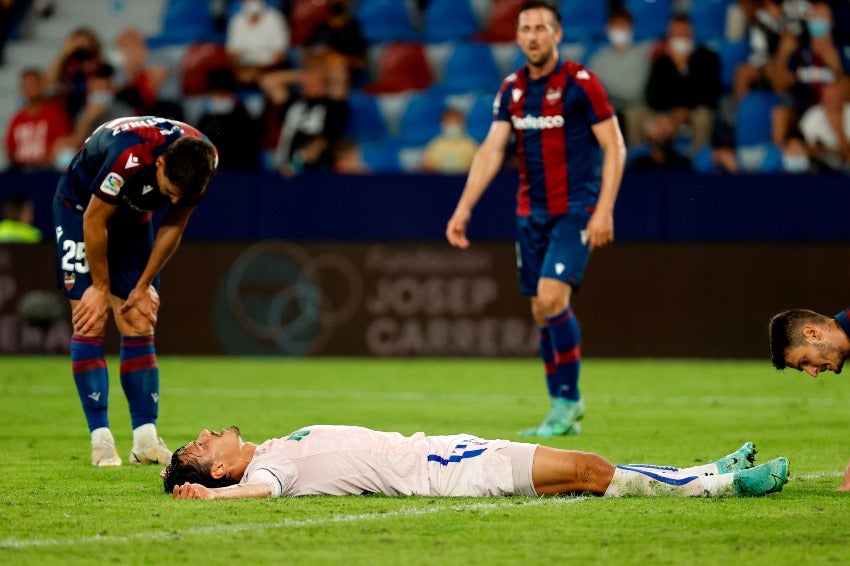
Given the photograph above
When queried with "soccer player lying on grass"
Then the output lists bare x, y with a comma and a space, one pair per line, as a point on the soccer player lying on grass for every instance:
813, 343
346, 460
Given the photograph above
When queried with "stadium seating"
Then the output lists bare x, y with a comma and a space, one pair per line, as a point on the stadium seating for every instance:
709, 19
385, 20
731, 53
651, 17
583, 20
501, 24
471, 67
185, 22
401, 66
479, 117
303, 19
365, 123
449, 20
381, 157
753, 118
198, 60
420, 119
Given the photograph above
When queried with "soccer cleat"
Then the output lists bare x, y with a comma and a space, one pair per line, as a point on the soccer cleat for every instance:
562, 419
103, 452
741, 459
157, 453
761, 480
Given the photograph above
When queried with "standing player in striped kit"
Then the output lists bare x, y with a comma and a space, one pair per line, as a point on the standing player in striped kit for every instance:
571, 154
107, 259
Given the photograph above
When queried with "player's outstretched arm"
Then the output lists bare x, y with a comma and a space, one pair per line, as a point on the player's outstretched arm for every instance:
238, 491
487, 162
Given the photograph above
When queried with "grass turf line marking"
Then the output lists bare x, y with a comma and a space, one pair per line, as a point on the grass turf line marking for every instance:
288, 523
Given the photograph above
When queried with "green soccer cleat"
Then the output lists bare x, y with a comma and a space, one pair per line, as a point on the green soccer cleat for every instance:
761, 480
743, 458
562, 419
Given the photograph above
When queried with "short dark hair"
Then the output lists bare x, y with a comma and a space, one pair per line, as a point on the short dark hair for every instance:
621, 14
189, 164
187, 468
785, 333
13, 206
533, 4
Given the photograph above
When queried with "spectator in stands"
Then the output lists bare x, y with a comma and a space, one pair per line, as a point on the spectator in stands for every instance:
104, 102
452, 150
257, 41
228, 124
826, 128
623, 67
684, 82
348, 159
79, 58
661, 148
33, 131
16, 225
341, 34
768, 22
795, 155
807, 65
311, 122
135, 72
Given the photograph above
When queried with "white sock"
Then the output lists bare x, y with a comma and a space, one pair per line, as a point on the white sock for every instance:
144, 435
667, 482
701, 470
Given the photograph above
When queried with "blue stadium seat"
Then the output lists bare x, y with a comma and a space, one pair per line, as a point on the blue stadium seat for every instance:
420, 120
381, 157
479, 117
385, 20
709, 19
449, 20
731, 55
185, 22
583, 19
471, 67
651, 17
753, 118
365, 123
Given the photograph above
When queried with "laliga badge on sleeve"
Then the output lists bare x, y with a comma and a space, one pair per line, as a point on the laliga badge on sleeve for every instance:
112, 184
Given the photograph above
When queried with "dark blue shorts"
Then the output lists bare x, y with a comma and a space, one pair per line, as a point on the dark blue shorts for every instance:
130, 244
553, 247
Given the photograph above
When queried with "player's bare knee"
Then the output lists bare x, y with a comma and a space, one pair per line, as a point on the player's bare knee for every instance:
132, 323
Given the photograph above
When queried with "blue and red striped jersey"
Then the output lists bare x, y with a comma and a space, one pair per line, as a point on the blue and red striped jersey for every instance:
843, 320
117, 163
559, 156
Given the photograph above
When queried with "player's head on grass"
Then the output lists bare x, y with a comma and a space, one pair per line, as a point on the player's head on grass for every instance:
214, 459
185, 169
807, 341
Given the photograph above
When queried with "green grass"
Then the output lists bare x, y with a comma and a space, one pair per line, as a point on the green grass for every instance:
56, 508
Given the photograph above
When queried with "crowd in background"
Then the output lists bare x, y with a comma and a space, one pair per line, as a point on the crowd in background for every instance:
277, 98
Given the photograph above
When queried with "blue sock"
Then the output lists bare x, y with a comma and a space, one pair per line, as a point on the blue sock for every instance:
89, 367
547, 354
565, 336
140, 378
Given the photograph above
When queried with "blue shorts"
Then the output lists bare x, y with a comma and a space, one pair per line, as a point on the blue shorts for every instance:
553, 247
130, 244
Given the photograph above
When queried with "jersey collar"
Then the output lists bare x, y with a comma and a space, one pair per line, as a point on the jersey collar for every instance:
843, 320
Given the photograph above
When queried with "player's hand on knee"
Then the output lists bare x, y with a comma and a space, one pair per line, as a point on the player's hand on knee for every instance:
90, 314
146, 302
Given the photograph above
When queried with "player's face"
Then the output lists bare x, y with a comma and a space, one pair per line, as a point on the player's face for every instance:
166, 187
815, 357
221, 446
538, 35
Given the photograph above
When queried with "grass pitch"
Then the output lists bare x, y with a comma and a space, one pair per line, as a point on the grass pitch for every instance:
56, 508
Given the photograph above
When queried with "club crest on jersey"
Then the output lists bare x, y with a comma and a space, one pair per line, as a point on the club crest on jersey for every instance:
516, 94
70, 279
553, 95
112, 184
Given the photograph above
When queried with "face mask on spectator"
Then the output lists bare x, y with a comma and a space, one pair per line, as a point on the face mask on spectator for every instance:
818, 27
620, 37
101, 97
682, 45
795, 163
452, 130
252, 7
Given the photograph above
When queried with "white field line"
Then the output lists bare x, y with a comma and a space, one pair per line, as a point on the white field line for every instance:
508, 503
815, 475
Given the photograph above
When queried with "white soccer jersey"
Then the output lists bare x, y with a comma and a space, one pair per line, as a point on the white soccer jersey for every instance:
347, 460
